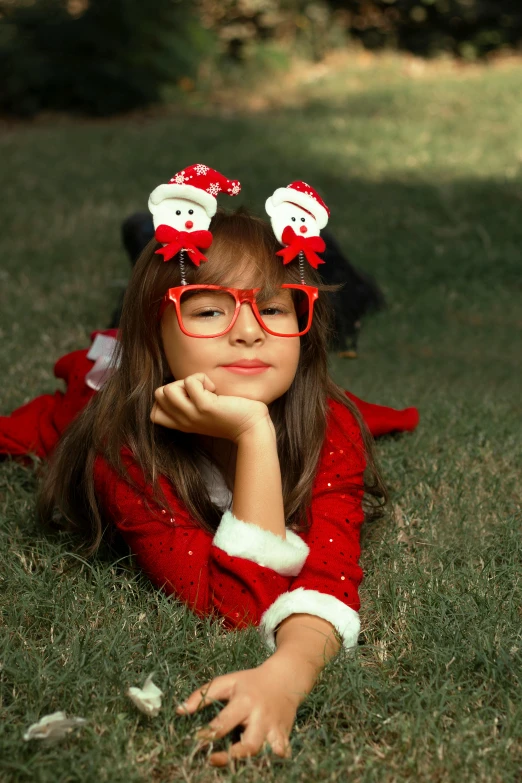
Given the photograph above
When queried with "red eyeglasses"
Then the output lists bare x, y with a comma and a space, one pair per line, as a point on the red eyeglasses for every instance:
212, 310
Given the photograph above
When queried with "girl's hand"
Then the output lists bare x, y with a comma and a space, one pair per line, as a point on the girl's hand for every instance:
190, 405
259, 701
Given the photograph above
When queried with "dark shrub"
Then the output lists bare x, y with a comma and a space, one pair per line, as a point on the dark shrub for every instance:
113, 56
468, 28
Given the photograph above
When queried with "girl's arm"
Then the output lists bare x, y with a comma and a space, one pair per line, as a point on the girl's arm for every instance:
299, 625
258, 491
265, 700
327, 585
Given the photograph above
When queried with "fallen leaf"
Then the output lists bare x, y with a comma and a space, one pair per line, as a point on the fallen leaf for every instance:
54, 726
148, 698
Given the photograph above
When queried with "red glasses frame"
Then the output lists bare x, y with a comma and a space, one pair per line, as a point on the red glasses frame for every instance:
241, 295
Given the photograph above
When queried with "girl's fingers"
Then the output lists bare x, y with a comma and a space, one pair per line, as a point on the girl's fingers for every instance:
209, 384
185, 393
201, 376
250, 747
238, 751
175, 397
200, 388
220, 759
280, 744
251, 742
158, 416
230, 716
217, 689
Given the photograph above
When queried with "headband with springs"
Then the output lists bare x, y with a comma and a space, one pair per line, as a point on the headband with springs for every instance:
183, 208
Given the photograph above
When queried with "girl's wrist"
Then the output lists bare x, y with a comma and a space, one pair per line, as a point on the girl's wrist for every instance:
295, 673
262, 431
305, 644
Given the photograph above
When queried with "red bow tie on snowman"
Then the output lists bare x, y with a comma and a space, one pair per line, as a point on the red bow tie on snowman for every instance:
297, 214
182, 209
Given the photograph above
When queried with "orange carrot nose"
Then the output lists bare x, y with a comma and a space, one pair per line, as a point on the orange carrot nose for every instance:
189, 224
303, 229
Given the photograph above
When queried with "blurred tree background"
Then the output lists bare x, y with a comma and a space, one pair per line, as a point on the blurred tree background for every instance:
103, 57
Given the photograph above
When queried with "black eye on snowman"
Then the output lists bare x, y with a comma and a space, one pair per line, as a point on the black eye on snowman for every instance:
191, 211
294, 219
303, 220
178, 212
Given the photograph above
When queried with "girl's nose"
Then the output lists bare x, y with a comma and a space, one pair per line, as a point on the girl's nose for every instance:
188, 224
303, 229
247, 325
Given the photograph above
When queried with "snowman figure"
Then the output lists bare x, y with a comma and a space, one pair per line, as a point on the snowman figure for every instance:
297, 214
180, 213
183, 208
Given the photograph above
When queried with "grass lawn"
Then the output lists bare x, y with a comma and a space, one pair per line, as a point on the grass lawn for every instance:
422, 169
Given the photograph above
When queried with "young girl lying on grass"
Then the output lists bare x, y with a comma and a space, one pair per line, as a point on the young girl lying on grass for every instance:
239, 490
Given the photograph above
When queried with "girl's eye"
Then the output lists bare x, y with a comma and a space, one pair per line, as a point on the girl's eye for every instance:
207, 312
191, 211
276, 307
274, 310
293, 219
303, 220
178, 212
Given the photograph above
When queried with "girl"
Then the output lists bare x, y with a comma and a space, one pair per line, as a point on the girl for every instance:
239, 491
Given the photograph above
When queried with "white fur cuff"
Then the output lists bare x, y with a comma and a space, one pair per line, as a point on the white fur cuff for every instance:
244, 539
301, 601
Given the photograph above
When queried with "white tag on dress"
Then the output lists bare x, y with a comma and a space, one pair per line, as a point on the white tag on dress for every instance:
102, 351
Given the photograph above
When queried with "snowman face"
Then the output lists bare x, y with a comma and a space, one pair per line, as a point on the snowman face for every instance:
289, 214
181, 214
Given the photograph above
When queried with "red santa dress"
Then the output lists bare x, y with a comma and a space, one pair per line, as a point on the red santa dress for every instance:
247, 575
243, 573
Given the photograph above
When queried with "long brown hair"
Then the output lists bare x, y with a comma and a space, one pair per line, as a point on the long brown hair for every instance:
119, 414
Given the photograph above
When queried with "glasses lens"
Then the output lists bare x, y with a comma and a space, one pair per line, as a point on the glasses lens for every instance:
286, 312
207, 313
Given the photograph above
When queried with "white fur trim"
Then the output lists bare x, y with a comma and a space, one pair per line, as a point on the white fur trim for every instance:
244, 539
189, 192
301, 199
301, 601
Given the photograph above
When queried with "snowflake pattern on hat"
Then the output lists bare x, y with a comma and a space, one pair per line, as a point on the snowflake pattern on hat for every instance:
179, 178
201, 169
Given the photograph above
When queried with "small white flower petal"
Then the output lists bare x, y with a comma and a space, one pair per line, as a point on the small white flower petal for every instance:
54, 726
148, 698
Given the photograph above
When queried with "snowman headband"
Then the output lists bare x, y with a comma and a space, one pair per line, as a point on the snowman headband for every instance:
183, 208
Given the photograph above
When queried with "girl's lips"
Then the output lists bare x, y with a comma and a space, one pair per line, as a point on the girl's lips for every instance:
246, 370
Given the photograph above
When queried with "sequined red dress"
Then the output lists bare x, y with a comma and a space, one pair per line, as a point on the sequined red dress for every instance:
243, 573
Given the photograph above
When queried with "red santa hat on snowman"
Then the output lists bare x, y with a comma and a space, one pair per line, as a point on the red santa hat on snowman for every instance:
197, 183
304, 195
